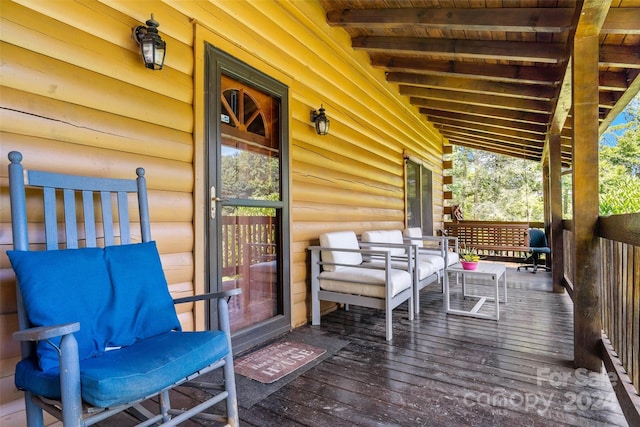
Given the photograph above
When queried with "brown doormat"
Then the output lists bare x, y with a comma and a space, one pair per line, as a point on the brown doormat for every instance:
277, 360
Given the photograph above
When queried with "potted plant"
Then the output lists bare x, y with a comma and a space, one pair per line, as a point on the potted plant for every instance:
469, 257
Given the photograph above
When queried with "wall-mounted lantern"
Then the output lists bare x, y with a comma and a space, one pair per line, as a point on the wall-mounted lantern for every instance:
152, 47
321, 121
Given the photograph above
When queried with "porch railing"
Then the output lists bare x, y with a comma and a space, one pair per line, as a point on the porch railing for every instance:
619, 244
246, 240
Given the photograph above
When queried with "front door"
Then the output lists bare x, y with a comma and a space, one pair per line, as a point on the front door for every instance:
248, 230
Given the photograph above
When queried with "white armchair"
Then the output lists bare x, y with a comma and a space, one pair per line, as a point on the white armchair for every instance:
425, 270
344, 272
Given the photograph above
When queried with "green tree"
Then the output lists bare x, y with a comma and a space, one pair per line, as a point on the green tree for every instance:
493, 187
620, 165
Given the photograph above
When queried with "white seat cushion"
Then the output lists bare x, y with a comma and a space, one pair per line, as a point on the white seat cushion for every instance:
452, 257
344, 240
426, 269
434, 259
374, 281
385, 236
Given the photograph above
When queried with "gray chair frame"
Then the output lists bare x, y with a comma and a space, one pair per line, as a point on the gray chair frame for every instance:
383, 262
70, 409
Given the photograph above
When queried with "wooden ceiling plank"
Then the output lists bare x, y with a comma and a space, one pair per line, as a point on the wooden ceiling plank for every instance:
525, 20
474, 86
550, 53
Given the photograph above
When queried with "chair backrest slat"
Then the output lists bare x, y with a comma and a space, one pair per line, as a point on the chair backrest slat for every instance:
89, 219
70, 222
123, 218
50, 218
107, 217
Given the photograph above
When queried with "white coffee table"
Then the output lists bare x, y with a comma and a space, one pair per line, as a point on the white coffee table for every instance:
491, 271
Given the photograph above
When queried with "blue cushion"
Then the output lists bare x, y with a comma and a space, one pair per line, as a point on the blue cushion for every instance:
118, 294
141, 304
63, 286
133, 372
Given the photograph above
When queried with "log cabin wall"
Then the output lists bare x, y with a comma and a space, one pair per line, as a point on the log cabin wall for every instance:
76, 98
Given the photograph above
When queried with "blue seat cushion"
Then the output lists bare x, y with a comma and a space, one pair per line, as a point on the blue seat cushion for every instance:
133, 372
118, 294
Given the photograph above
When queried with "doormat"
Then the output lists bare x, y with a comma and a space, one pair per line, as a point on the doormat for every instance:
277, 360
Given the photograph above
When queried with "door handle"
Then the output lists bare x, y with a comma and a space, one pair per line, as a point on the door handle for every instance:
213, 200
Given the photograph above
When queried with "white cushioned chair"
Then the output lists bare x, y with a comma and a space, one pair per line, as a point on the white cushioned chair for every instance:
344, 272
426, 269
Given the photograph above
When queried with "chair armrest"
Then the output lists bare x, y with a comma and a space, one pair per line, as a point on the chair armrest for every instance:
45, 332
208, 296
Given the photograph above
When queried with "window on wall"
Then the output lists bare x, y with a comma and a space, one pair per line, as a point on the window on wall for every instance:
419, 190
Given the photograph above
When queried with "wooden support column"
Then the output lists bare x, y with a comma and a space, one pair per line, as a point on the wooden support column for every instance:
555, 208
586, 259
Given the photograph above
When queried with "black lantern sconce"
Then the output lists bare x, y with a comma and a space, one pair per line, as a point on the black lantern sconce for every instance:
321, 121
151, 44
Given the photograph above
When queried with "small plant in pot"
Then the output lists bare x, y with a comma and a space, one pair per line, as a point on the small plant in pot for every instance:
469, 257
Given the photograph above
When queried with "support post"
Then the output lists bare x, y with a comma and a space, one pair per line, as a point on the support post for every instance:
555, 208
586, 259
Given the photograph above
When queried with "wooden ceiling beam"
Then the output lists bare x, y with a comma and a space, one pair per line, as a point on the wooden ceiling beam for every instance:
449, 132
490, 131
474, 86
622, 21
540, 128
613, 81
491, 112
494, 101
549, 53
505, 151
619, 56
521, 20
548, 76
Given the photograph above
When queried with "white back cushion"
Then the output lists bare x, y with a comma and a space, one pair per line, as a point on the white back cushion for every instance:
344, 240
414, 232
385, 236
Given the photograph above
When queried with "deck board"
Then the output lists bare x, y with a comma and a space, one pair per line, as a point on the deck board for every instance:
447, 370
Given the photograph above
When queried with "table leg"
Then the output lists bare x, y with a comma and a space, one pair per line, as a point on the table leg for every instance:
497, 284
446, 291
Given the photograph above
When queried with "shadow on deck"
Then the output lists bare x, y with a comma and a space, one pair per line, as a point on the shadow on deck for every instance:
444, 370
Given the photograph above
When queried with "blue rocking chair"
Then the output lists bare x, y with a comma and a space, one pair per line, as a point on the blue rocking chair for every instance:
98, 328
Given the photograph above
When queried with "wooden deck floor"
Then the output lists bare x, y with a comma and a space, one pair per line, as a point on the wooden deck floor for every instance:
445, 370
